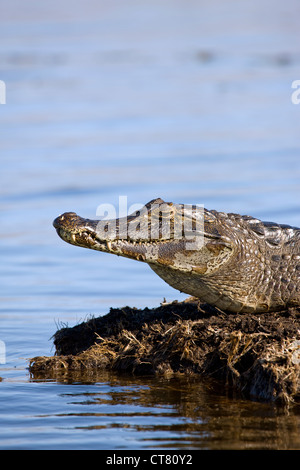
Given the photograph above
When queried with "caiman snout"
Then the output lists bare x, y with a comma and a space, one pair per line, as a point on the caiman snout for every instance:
68, 219
71, 222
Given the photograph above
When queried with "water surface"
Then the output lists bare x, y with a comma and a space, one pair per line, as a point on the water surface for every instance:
188, 102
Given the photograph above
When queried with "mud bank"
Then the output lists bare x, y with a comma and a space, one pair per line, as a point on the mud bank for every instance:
258, 354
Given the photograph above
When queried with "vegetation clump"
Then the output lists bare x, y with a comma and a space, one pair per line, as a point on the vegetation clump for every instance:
258, 354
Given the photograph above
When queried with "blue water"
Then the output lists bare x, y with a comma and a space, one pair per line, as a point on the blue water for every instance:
190, 102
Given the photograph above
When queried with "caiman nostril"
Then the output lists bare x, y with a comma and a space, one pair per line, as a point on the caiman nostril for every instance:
63, 219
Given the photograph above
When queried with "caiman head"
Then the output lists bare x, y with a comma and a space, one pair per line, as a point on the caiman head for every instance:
185, 245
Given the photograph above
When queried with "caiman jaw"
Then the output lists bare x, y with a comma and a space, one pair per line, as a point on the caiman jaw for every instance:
82, 232
75, 230
78, 231
165, 250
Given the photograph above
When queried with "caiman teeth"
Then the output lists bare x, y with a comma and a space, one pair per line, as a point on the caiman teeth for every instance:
108, 244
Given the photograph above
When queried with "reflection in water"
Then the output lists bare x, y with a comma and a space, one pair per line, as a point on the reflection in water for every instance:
177, 413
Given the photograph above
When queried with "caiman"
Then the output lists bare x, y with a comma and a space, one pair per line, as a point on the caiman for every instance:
236, 263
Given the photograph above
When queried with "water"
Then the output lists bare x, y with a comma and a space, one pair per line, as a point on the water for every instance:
188, 102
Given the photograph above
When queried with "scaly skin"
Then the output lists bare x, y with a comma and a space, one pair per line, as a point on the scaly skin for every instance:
237, 263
